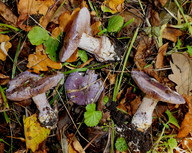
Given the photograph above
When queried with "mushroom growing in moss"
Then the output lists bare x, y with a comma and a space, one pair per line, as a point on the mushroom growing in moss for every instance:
83, 88
28, 85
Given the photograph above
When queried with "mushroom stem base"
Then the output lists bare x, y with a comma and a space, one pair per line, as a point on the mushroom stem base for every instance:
47, 116
142, 119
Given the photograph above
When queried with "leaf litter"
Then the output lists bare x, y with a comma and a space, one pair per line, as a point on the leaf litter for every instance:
159, 49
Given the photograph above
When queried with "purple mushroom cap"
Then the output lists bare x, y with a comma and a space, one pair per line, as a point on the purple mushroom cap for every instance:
83, 88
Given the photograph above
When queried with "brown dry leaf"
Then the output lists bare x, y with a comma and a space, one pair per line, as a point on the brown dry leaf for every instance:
160, 56
5, 45
186, 143
4, 79
7, 14
186, 125
66, 19
171, 34
2, 147
95, 28
182, 71
154, 19
73, 57
34, 8
40, 62
113, 6
163, 2
73, 144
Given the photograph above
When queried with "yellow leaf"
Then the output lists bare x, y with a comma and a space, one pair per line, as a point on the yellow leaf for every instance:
112, 6
34, 133
40, 62
73, 144
5, 45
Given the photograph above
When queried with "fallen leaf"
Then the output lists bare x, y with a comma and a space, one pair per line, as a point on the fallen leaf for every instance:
2, 146
160, 56
4, 46
35, 9
39, 61
154, 19
7, 14
73, 144
181, 67
66, 19
4, 79
34, 132
112, 6
186, 143
171, 34
186, 125
95, 28
163, 2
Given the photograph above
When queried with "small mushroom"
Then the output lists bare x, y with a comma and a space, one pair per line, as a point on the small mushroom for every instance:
155, 92
79, 35
28, 85
83, 88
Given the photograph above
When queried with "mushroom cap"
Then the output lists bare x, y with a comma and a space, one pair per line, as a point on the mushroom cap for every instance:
156, 90
80, 25
27, 85
83, 88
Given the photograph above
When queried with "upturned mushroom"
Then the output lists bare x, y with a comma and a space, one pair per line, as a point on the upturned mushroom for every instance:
80, 36
28, 85
155, 92
83, 88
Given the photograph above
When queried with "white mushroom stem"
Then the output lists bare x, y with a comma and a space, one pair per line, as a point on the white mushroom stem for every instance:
142, 119
46, 114
101, 47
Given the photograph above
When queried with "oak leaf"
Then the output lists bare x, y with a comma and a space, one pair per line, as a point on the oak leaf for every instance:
39, 61
34, 132
181, 67
34, 8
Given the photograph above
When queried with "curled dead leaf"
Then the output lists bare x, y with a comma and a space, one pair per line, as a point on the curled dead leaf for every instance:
95, 28
186, 125
160, 56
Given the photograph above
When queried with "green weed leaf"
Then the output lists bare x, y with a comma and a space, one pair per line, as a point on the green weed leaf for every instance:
51, 48
83, 55
121, 144
38, 35
92, 117
189, 50
115, 23
172, 119
172, 143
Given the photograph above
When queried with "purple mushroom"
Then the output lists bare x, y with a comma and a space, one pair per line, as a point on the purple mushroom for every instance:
28, 85
83, 88
155, 92
80, 36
